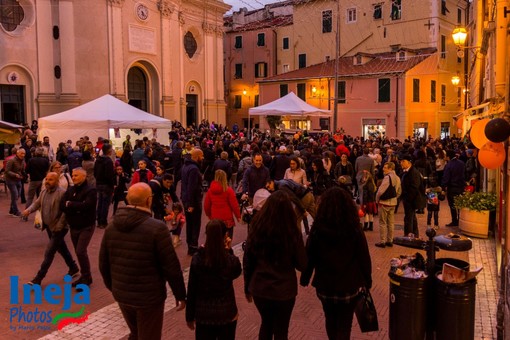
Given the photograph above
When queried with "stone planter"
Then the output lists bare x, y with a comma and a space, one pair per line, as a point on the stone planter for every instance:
474, 223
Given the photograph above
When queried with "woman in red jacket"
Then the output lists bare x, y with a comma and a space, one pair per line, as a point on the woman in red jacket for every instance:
221, 203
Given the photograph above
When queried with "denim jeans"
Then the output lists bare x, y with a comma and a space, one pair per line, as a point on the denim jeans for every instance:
193, 222
275, 317
81, 239
216, 332
339, 315
104, 199
57, 244
410, 221
34, 189
15, 190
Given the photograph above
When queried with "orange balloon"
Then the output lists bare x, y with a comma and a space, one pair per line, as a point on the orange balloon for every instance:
459, 123
478, 137
473, 122
492, 155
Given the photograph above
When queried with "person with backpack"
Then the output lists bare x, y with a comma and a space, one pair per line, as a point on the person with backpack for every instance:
387, 197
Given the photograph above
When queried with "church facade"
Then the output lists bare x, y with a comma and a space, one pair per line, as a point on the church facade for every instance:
164, 57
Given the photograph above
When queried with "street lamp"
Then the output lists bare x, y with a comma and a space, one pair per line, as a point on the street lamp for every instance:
455, 80
459, 36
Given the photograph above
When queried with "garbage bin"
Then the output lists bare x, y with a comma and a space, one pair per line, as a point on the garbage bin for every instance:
454, 262
408, 307
455, 310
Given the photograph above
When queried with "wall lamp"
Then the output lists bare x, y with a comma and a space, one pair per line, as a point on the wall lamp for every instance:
455, 80
245, 92
459, 36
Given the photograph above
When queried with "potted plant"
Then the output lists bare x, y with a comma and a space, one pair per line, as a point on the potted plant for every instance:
475, 210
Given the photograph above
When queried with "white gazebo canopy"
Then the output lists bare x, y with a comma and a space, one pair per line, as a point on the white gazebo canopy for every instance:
288, 105
96, 118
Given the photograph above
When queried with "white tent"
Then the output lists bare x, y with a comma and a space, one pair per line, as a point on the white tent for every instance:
288, 105
98, 118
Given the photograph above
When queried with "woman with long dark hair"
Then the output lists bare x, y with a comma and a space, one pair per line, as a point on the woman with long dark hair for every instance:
211, 306
274, 250
320, 177
338, 253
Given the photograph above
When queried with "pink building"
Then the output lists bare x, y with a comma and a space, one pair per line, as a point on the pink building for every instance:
394, 94
250, 54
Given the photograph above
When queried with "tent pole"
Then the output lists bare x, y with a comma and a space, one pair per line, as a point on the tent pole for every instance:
249, 120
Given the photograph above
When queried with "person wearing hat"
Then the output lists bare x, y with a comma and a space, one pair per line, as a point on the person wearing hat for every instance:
279, 164
413, 194
453, 182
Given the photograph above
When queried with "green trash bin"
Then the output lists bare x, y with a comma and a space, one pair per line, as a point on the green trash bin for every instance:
408, 308
455, 310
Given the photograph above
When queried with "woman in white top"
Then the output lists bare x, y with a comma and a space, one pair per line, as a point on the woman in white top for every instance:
295, 172
64, 180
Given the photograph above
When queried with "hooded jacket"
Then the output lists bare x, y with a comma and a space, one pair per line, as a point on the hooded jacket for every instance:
221, 204
137, 259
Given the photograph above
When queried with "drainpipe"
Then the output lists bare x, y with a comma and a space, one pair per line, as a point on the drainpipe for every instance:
502, 22
396, 106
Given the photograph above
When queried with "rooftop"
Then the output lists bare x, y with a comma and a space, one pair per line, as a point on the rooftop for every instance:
380, 64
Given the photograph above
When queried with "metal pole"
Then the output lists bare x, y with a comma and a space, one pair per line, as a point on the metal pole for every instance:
337, 56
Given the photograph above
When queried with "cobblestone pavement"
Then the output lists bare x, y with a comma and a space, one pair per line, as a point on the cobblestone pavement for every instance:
22, 249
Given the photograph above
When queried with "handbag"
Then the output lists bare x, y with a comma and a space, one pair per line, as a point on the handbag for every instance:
390, 192
38, 224
366, 313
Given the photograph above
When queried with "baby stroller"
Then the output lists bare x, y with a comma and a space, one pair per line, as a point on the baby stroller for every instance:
248, 211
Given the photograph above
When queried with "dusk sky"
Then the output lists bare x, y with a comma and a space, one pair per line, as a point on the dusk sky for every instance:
249, 4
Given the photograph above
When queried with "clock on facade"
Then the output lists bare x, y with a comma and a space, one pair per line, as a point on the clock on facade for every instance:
142, 12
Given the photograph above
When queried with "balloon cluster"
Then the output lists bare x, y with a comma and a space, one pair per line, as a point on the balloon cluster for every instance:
488, 136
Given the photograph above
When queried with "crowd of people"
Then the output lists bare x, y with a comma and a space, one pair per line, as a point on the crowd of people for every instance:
341, 181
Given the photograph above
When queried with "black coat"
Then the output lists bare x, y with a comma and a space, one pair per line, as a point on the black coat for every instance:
413, 189
341, 263
211, 298
104, 171
137, 259
81, 209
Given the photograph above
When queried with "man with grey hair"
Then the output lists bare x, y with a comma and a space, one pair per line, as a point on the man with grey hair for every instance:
14, 170
53, 221
223, 164
37, 167
387, 204
79, 205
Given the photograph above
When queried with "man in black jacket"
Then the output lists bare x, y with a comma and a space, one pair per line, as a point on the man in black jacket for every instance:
79, 206
453, 182
136, 260
104, 173
412, 195
37, 167
191, 196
